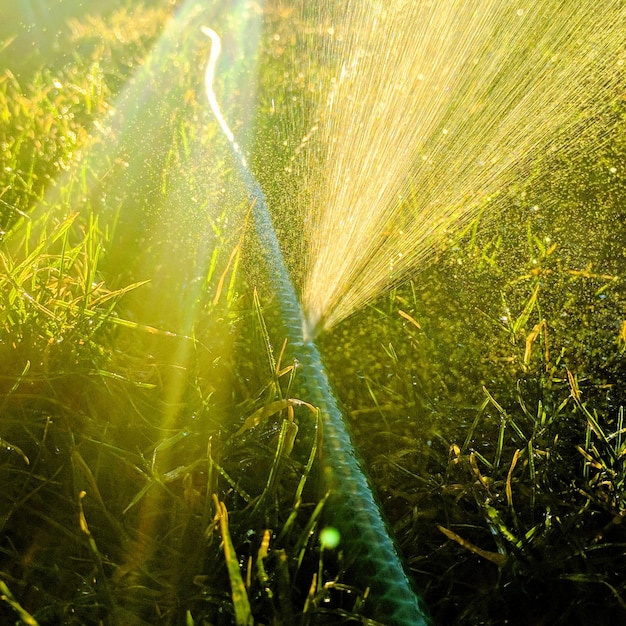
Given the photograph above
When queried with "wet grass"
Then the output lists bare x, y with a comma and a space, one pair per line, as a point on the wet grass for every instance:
147, 477
495, 384
152, 467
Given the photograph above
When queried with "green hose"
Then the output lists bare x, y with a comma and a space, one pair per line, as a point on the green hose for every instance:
354, 510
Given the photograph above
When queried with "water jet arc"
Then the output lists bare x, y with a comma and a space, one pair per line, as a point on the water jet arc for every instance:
356, 513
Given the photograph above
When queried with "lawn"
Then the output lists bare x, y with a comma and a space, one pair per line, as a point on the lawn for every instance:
151, 468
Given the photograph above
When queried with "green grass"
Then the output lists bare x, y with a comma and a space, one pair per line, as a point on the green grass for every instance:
495, 382
147, 429
152, 467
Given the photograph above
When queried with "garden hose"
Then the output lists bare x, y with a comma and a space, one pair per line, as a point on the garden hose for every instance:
355, 512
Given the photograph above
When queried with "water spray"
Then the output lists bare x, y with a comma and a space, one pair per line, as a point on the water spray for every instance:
356, 514
433, 111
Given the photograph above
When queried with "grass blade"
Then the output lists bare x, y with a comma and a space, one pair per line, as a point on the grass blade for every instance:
243, 612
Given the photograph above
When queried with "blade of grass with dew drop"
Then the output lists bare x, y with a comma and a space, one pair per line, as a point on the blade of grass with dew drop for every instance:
167, 444
241, 603
474, 454
152, 478
182, 471
268, 411
10, 447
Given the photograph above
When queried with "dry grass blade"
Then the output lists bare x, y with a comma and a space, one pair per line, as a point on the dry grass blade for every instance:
496, 558
509, 489
273, 408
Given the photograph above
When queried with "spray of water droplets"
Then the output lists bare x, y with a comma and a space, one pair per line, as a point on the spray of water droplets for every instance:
436, 107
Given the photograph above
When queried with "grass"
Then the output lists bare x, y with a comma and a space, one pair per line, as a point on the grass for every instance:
500, 449
152, 467
147, 452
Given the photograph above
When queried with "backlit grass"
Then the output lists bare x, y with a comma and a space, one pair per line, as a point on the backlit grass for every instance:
152, 464
495, 382
145, 479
